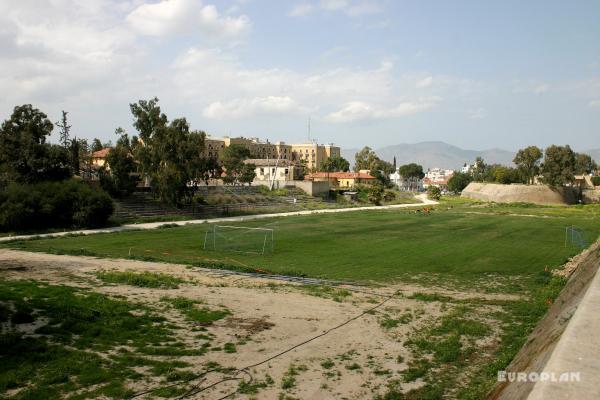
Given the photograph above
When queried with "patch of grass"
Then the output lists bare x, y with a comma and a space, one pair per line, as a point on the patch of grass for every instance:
353, 367
430, 297
203, 316
66, 358
327, 364
327, 292
416, 370
229, 348
140, 279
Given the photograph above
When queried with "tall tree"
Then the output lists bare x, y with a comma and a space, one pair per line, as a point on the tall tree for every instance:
74, 156
65, 128
365, 159
479, 170
96, 145
458, 182
528, 161
413, 173
233, 158
394, 163
335, 164
119, 179
584, 164
169, 153
24, 154
559, 165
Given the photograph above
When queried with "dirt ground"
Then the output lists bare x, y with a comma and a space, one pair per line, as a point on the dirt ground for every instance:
267, 318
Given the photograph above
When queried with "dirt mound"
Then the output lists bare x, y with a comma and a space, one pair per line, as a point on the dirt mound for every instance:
537, 194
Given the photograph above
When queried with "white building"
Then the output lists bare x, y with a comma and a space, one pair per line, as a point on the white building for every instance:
274, 170
406, 184
437, 177
467, 168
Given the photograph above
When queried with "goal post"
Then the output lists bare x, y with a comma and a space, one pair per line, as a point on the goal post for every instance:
575, 236
240, 239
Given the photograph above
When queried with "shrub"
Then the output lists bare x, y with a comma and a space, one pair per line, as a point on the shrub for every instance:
596, 180
434, 193
389, 195
63, 204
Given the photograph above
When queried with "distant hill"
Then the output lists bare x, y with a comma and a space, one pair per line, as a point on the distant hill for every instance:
436, 154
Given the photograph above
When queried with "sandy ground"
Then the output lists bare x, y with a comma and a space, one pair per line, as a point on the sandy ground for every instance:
270, 316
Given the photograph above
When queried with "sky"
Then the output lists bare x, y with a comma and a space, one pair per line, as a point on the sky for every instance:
476, 74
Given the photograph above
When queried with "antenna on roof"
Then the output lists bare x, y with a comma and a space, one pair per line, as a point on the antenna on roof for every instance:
309, 128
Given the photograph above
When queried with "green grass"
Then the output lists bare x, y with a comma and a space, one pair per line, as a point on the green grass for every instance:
202, 316
452, 243
140, 279
65, 355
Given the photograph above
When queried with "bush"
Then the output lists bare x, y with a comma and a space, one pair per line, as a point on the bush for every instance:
596, 180
63, 204
389, 195
434, 193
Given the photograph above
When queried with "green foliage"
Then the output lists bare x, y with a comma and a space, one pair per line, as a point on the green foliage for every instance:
247, 174
120, 180
63, 204
389, 195
584, 164
528, 161
434, 192
24, 154
375, 194
203, 316
335, 164
140, 279
458, 182
596, 180
233, 158
559, 165
169, 153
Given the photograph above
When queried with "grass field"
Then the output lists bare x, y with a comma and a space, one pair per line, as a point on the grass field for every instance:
460, 243
493, 258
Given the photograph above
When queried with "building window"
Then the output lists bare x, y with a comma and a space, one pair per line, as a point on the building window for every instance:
262, 171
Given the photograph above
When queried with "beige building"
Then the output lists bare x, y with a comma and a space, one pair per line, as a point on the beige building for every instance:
274, 170
342, 179
99, 158
311, 153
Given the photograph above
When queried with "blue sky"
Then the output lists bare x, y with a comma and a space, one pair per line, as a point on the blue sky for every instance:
475, 74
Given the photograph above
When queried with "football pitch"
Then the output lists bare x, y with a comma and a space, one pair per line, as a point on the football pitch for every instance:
376, 246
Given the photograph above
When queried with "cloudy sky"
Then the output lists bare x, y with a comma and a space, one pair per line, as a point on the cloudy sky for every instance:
477, 74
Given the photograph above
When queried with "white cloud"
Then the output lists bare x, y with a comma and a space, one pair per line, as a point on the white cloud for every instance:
594, 103
300, 10
477, 113
360, 110
354, 8
541, 88
169, 17
239, 108
424, 83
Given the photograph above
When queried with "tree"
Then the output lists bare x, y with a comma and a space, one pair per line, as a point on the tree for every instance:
74, 156
120, 180
375, 194
96, 145
24, 154
233, 158
559, 165
169, 153
479, 170
434, 192
365, 159
335, 164
458, 182
413, 173
65, 128
584, 164
528, 161
247, 174
394, 163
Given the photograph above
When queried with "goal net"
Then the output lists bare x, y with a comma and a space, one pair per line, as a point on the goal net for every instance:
239, 239
575, 237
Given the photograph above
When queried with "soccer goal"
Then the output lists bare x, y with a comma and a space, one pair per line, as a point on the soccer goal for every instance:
239, 239
575, 236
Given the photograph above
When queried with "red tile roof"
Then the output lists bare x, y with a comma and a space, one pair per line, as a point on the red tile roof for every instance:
101, 153
340, 175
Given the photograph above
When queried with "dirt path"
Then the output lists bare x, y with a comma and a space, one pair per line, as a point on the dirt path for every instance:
153, 225
268, 317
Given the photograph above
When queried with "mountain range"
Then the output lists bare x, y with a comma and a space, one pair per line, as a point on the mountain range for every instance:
442, 155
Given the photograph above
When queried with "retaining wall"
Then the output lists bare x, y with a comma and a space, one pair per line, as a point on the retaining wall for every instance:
537, 194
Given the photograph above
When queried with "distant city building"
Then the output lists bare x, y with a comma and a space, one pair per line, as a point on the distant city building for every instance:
274, 170
437, 177
99, 158
467, 168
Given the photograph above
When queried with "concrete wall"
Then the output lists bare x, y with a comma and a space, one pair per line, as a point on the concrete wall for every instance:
312, 188
537, 194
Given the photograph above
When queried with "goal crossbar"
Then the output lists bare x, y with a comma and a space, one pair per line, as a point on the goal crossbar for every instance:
250, 240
